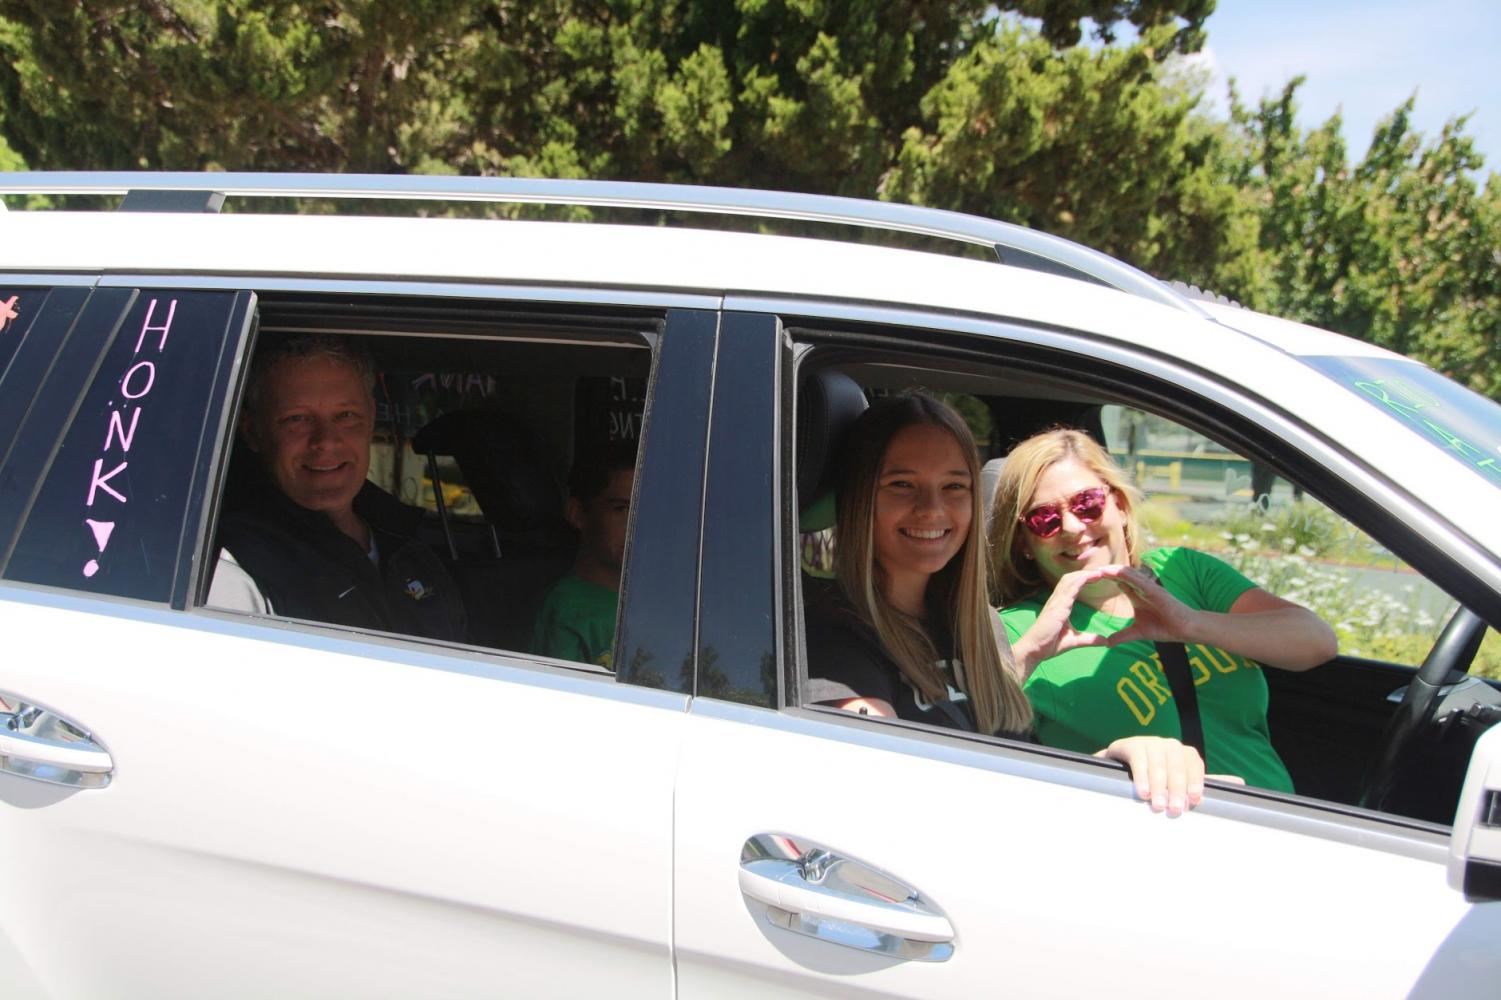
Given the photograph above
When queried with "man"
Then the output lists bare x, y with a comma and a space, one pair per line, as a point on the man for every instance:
577, 620
306, 535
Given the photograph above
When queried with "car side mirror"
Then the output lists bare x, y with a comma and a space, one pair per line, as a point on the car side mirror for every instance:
1475, 845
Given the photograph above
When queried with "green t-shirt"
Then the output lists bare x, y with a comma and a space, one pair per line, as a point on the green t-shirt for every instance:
1085, 698
577, 622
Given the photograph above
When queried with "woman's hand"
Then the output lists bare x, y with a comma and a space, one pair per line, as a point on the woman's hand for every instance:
1166, 773
1158, 615
864, 706
1051, 633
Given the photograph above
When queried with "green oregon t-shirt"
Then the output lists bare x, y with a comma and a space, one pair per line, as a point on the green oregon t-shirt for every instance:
577, 622
1085, 698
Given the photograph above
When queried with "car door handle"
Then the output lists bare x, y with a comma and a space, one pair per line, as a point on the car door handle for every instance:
42, 745
811, 890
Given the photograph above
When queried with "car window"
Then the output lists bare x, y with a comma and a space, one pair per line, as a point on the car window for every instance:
110, 512
1200, 493
469, 525
35, 325
1326, 724
18, 307
1464, 423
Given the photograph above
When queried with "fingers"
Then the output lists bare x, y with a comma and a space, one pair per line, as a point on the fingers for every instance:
1164, 772
866, 706
1073, 639
1073, 582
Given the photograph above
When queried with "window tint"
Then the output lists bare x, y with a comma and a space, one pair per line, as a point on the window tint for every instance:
110, 515
18, 307
464, 529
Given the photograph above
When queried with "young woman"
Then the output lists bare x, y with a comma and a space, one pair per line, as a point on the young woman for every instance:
908, 631
1083, 607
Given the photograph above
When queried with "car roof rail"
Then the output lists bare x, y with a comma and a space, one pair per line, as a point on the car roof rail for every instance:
1012, 244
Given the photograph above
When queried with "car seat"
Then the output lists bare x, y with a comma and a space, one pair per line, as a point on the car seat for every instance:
522, 502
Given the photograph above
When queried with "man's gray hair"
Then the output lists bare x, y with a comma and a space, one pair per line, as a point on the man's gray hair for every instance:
305, 347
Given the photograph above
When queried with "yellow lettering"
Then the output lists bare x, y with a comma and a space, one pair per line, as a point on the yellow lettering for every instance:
1152, 680
1229, 666
1136, 700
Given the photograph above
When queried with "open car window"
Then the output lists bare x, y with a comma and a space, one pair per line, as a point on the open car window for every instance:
1202, 494
479, 421
1328, 724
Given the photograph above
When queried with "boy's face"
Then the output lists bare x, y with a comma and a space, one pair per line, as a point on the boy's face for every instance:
601, 523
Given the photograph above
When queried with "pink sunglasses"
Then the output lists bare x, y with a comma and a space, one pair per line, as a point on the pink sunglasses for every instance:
1088, 506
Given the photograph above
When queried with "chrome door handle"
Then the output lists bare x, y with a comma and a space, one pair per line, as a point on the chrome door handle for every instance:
42, 745
810, 890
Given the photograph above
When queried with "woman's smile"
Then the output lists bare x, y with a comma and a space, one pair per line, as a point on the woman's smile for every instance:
924, 506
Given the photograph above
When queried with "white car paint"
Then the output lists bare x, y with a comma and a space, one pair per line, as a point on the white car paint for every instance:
742, 267
1059, 887
324, 817
311, 813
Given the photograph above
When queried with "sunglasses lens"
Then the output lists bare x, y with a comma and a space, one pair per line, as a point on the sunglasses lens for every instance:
1088, 505
1044, 522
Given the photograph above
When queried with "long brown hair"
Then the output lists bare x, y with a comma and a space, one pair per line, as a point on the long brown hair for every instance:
961, 591
1013, 574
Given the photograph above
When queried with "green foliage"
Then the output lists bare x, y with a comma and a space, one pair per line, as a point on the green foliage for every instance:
953, 103
1305, 527
1399, 249
1098, 146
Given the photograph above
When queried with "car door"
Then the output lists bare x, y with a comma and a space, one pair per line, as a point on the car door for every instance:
831, 855
232, 806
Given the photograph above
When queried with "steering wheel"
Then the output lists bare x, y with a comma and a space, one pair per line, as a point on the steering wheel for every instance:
1452, 653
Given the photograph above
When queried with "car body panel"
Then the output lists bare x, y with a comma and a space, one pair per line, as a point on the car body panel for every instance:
314, 811
317, 812
1059, 887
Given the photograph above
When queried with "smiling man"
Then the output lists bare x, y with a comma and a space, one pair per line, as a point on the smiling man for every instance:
306, 535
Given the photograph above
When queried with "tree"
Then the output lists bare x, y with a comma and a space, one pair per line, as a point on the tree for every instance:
803, 94
1399, 249
1098, 146
953, 103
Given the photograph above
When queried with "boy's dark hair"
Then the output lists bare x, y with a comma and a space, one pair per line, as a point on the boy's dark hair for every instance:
593, 469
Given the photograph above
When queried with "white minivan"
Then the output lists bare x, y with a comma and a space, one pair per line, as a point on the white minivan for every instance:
198, 801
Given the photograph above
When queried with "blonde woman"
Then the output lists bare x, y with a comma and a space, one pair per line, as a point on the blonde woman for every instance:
1083, 606
909, 631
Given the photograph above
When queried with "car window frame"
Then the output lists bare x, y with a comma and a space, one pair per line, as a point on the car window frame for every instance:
1187, 396
644, 618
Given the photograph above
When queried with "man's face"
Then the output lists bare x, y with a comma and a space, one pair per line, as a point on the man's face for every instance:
601, 523
312, 429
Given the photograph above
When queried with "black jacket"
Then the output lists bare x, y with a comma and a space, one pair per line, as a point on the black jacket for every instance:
307, 568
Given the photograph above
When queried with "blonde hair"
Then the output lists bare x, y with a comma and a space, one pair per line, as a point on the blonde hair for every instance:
961, 591
1013, 574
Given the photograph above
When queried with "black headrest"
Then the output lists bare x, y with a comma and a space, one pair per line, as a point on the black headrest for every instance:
515, 489
829, 403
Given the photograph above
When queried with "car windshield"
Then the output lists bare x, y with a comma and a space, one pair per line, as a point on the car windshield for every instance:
1464, 423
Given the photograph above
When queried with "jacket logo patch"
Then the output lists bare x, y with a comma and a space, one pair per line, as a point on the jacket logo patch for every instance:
417, 590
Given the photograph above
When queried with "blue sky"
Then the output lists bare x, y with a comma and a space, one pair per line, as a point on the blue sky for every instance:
1364, 59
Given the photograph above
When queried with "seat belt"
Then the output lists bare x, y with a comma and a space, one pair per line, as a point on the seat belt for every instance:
1180, 679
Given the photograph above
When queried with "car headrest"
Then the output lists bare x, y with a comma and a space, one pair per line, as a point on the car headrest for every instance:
828, 404
514, 488
990, 478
